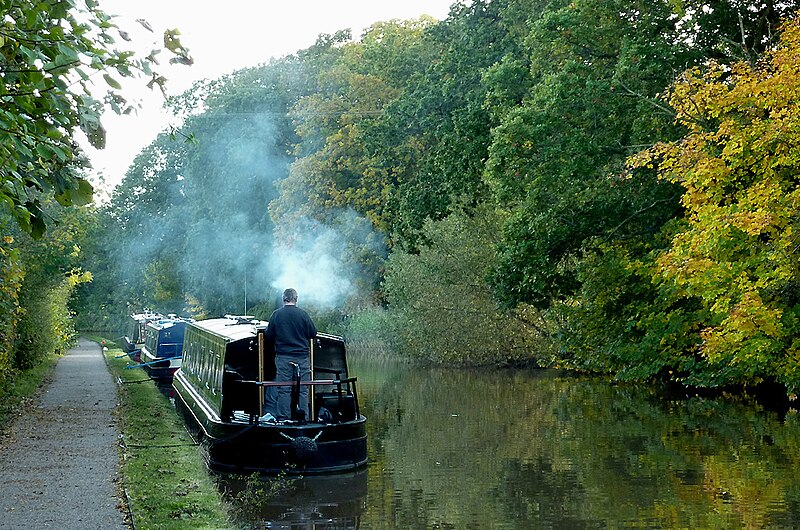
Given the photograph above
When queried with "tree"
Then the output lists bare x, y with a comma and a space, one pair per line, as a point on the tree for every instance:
444, 307
190, 219
437, 132
342, 163
13, 273
736, 254
596, 69
50, 272
596, 72
50, 54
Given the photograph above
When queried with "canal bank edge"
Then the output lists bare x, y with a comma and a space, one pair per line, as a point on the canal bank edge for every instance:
163, 474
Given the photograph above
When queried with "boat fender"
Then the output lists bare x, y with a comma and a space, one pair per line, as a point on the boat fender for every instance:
303, 447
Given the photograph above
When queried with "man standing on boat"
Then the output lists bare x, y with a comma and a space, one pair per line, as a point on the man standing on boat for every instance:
291, 331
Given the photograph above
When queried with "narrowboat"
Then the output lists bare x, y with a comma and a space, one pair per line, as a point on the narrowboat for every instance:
137, 331
163, 345
220, 390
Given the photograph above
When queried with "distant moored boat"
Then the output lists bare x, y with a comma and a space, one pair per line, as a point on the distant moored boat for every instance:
161, 354
137, 331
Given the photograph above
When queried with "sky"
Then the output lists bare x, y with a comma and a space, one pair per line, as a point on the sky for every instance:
223, 37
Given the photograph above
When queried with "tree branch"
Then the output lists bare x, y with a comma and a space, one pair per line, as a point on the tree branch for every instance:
637, 213
669, 111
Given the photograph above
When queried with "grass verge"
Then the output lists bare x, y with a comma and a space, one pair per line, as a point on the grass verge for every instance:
15, 393
164, 475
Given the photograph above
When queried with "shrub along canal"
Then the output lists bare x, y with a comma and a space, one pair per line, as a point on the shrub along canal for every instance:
532, 449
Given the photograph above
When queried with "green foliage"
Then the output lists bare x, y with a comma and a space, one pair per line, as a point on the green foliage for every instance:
585, 237
49, 53
18, 390
46, 325
620, 322
736, 255
51, 275
438, 130
554, 157
37, 278
12, 274
397, 126
444, 309
489, 150
372, 332
341, 163
166, 236
711, 300
257, 492
596, 71
126, 239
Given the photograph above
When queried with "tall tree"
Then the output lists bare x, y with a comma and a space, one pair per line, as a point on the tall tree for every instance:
341, 162
438, 130
597, 69
50, 51
190, 220
736, 254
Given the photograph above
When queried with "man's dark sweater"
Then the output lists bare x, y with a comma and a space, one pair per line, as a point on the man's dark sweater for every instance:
291, 329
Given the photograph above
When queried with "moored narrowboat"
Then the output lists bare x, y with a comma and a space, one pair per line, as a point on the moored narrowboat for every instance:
220, 390
161, 353
137, 331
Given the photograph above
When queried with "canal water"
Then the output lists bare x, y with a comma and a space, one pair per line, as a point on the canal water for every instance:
472, 449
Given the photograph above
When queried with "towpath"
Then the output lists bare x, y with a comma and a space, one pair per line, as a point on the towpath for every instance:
59, 465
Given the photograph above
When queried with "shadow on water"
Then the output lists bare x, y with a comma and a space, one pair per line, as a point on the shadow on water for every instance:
335, 501
540, 449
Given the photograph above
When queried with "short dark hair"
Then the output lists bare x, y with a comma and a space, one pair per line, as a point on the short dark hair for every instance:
290, 295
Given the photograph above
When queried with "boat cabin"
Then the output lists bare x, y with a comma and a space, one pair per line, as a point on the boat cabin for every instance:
163, 346
221, 384
137, 328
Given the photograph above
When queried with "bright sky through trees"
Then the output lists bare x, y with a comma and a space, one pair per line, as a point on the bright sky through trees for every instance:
222, 38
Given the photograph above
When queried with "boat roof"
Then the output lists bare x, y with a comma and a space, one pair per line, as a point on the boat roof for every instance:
231, 328
165, 323
146, 316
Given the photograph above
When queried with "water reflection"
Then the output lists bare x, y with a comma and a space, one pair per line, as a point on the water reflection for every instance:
334, 502
479, 449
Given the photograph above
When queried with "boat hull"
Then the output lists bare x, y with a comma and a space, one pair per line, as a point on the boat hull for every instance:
158, 368
242, 447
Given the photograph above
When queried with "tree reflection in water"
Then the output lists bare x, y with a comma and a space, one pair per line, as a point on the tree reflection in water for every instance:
334, 501
532, 449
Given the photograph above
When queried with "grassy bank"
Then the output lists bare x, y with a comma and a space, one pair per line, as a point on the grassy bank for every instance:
165, 477
15, 393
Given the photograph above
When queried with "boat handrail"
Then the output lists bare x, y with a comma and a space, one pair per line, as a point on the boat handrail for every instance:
302, 383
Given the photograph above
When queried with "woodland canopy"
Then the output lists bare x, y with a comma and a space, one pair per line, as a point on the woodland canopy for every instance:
607, 186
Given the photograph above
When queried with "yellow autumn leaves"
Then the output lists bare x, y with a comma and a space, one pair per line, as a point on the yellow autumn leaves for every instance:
740, 166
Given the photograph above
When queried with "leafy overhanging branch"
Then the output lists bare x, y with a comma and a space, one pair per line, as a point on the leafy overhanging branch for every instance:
50, 58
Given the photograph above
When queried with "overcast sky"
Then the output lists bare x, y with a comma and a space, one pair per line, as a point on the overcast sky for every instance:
226, 36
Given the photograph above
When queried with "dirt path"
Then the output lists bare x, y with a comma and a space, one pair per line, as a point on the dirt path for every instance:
59, 467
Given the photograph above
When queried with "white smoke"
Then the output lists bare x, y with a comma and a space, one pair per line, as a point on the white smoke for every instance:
320, 263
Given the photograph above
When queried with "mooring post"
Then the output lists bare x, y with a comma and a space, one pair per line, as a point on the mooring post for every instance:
311, 387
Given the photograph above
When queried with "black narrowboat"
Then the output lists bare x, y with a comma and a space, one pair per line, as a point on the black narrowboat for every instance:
163, 346
220, 390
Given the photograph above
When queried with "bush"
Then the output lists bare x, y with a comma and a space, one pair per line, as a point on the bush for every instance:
443, 307
372, 332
